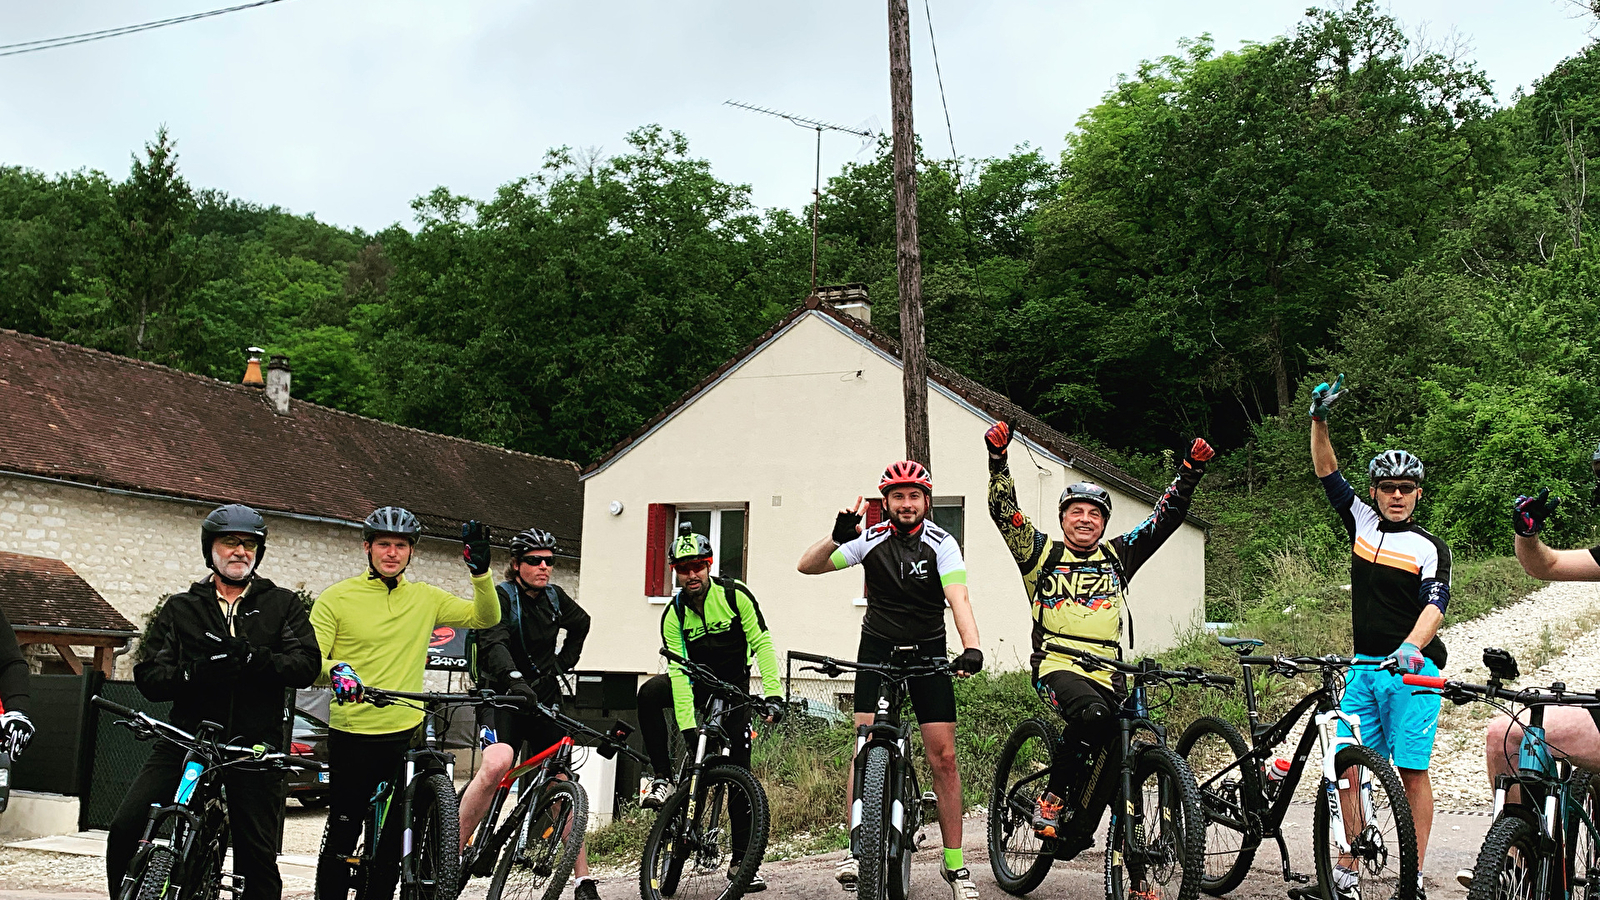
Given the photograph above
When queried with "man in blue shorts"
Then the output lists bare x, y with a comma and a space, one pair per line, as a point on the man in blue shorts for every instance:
1399, 589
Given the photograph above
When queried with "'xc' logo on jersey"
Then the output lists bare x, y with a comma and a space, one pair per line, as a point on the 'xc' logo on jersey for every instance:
917, 569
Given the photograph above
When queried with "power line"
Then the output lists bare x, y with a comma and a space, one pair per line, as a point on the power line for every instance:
69, 40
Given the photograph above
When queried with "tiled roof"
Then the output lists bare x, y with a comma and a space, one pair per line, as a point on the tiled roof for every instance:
82, 415
990, 402
39, 592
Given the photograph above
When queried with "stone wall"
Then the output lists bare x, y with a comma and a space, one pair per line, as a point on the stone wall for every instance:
136, 550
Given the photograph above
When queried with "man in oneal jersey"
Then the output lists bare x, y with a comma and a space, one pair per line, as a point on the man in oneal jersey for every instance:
913, 568
1399, 590
1077, 589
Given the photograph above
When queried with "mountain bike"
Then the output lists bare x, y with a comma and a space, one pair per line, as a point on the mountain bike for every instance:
717, 819
532, 851
1156, 836
888, 809
182, 851
1362, 820
1543, 846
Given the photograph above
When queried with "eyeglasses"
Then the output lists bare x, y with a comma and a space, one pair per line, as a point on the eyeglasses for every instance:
1403, 488
689, 568
537, 560
249, 545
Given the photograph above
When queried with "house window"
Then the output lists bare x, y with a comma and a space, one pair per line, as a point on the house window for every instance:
723, 523
950, 513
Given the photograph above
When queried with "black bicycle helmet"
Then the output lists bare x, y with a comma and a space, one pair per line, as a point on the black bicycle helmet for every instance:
689, 546
1085, 492
391, 520
234, 518
532, 539
1395, 464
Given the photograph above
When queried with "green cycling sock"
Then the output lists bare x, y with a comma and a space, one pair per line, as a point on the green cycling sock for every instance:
952, 858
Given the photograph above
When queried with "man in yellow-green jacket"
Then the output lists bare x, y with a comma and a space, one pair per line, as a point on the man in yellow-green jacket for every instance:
374, 630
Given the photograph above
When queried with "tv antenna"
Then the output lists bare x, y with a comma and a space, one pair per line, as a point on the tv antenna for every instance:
816, 188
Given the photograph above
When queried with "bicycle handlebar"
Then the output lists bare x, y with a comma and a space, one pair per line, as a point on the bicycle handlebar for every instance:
170, 732
833, 668
1463, 692
1320, 662
1191, 675
707, 678
617, 742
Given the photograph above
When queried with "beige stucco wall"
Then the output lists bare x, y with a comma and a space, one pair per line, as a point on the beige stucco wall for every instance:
797, 433
136, 550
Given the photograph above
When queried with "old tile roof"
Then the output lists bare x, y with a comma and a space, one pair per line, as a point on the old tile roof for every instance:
990, 402
39, 592
91, 417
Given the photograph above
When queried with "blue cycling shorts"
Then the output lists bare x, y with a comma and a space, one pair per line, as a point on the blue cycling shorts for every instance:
1396, 722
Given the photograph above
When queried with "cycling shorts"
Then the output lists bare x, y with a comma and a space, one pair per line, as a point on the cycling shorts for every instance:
933, 697
1395, 721
498, 725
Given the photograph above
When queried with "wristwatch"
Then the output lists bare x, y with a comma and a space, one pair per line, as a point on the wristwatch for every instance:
515, 675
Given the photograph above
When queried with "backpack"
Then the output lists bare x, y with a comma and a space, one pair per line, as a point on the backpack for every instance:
511, 596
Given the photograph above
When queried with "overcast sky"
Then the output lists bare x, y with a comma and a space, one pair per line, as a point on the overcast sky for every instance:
351, 108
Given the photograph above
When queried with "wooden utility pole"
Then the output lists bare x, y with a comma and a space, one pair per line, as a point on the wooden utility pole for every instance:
913, 352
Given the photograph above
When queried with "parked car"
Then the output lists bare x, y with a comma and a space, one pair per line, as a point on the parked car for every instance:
309, 747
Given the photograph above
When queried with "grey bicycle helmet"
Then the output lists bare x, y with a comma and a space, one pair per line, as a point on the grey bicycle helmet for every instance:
391, 520
532, 539
1395, 464
234, 518
1086, 492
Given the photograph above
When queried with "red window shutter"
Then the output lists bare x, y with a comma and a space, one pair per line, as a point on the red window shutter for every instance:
658, 521
871, 516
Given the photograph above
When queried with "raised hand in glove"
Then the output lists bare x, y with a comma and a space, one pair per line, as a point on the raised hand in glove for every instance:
775, 710
1200, 453
847, 524
347, 687
1324, 396
475, 547
998, 437
970, 662
1528, 513
16, 730
1409, 657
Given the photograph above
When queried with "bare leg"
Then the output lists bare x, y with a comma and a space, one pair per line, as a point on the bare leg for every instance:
1419, 793
1571, 734
939, 742
475, 802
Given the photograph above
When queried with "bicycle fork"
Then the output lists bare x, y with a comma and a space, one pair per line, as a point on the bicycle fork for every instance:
1333, 781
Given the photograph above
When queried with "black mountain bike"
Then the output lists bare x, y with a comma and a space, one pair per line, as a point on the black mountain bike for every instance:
1156, 836
533, 849
710, 836
1543, 846
1362, 820
181, 855
888, 808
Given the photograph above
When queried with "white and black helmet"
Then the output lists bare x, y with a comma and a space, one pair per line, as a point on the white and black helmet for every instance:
1086, 492
391, 520
532, 539
1395, 464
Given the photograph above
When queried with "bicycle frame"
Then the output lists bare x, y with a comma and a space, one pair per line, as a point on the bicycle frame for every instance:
191, 807
1547, 803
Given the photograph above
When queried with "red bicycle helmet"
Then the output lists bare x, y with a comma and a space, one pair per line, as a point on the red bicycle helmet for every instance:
906, 471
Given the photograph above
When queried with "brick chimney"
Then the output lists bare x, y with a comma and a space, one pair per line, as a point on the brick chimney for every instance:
850, 299
278, 384
252, 369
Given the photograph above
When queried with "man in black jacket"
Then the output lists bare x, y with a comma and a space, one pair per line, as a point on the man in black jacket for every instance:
518, 656
228, 650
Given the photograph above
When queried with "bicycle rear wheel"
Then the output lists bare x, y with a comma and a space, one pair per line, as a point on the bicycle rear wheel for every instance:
545, 839
1212, 747
434, 828
1019, 858
1376, 825
1508, 864
1582, 848
1165, 860
709, 843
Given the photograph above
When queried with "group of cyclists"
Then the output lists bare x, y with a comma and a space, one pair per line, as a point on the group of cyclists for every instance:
229, 648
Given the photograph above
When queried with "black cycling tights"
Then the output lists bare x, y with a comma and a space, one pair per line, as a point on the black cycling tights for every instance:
1089, 711
357, 764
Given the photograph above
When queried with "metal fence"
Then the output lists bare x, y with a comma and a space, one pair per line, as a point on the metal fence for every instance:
117, 756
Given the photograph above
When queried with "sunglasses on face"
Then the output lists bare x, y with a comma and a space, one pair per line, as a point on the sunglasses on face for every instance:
249, 545
537, 560
689, 568
1403, 488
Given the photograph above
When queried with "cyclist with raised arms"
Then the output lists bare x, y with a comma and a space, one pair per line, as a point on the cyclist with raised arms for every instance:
913, 569
379, 625
715, 622
226, 650
533, 612
1399, 590
1077, 590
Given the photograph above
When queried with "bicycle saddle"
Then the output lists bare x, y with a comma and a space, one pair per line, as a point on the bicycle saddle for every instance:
1240, 645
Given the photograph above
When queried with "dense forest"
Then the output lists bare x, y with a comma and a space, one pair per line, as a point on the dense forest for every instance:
1224, 230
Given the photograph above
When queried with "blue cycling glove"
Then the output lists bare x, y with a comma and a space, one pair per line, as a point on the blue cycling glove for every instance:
1409, 657
1324, 396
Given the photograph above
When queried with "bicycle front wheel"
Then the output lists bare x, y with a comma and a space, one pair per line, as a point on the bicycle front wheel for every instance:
872, 882
434, 827
1019, 858
1212, 747
707, 843
1163, 859
543, 846
154, 879
1582, 850
1367, 812
1508, 864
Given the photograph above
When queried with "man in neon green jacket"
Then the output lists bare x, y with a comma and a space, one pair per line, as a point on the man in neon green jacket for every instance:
379, 625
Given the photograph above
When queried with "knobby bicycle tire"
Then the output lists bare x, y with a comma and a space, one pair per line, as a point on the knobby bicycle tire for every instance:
435, 829
1508, 864
1020, 860
688, 834
1389, 796
1209, 746
155, 876
543, 844
873, 862
1172, 834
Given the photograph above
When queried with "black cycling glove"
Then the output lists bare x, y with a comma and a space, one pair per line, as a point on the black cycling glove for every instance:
1528, 513
775, 709
475, 547
844, 527
970, 661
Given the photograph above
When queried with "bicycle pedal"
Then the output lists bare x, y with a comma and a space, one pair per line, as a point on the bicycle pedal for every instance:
1297, 878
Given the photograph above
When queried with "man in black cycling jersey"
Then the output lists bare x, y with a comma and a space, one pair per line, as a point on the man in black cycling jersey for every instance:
1077, 590
913, 568
16, 730
226, 650
518, 656
714, 622
1399, 590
